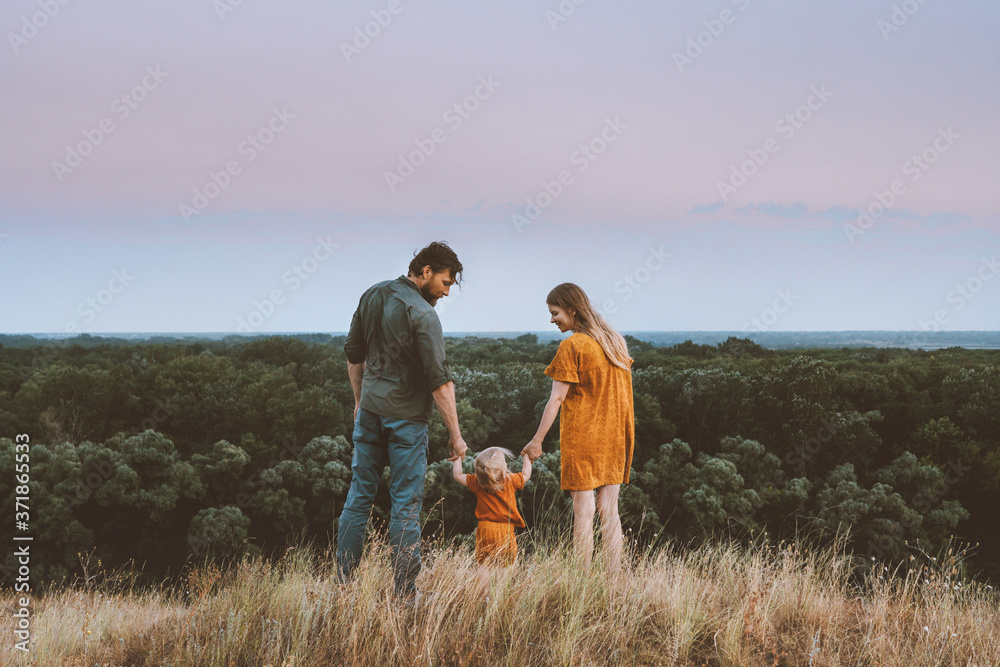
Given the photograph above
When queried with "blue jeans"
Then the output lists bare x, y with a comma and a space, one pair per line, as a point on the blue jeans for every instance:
402, 444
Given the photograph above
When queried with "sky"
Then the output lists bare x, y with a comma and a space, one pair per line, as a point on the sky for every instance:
733, 165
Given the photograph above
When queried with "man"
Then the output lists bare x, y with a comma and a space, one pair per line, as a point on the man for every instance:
396, 363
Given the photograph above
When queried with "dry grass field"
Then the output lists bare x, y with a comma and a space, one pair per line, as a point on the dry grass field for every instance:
714, 605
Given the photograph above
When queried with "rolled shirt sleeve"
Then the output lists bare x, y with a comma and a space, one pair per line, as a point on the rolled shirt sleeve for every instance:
429, 339
356, 347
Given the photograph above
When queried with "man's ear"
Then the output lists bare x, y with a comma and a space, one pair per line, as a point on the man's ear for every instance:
428, 272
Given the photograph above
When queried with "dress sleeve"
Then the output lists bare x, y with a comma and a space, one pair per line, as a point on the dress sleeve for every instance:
565, 366
472, 482
518, 479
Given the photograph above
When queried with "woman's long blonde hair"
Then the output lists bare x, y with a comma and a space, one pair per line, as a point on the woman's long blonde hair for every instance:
491, 468
588, 321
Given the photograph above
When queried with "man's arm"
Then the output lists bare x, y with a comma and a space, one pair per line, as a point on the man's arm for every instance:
356, 372
444, 398
356, 351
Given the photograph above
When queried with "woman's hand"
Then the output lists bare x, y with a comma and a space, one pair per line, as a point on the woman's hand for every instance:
533, 449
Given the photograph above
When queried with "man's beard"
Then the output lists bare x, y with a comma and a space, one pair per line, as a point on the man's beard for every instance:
429, 297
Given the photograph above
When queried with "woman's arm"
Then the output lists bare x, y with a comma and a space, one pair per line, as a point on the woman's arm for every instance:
559, 392
456, 472
526, 468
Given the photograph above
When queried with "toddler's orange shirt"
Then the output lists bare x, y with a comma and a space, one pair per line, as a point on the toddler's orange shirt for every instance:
499, 507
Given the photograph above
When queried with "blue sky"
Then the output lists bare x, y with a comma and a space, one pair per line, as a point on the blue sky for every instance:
183, 167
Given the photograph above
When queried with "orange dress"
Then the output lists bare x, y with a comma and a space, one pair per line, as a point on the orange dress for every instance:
497, 514
597, 420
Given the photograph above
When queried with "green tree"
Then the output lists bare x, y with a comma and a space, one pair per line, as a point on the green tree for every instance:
974, 396
68, 403
146, 498
218, 532
221, 470
651, 428
304, 493
476, 429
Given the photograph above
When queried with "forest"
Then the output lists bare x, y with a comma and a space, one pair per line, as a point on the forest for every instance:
156, 454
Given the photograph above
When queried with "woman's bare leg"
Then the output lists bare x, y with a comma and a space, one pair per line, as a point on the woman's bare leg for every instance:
611, 525
583, 526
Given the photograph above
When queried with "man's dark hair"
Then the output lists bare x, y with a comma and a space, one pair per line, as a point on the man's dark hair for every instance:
439, 256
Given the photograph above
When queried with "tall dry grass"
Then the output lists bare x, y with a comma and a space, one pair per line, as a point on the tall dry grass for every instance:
719, 604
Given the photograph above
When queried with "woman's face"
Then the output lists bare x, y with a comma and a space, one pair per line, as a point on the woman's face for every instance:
562, 318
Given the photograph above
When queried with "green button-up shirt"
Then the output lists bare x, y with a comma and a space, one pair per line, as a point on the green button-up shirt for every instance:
398, 336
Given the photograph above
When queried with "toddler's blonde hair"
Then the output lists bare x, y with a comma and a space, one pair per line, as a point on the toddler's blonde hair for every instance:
491, 468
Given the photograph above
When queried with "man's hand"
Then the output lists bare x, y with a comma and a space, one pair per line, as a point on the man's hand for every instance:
532, 450
444, 397
356, 373
458, 449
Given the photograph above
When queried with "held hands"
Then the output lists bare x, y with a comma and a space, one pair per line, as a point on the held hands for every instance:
458, 449
532, 450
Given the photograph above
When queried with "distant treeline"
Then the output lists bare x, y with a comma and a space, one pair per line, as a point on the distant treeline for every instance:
162, 451
756, 332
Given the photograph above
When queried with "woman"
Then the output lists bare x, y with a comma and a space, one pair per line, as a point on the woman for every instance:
592, 383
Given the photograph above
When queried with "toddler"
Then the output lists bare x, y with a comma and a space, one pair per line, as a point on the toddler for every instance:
496, 508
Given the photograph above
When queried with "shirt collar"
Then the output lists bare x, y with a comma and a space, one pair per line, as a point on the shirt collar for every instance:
409, 282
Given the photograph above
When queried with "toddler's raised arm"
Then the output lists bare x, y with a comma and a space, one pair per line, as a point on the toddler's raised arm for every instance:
456, 472
526, 468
